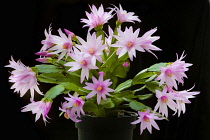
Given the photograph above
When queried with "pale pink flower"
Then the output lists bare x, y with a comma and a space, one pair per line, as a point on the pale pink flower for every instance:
99, 87
97, 17
108, 38
147, 39
173, 72
63, 45
183, 97
92, 47
124, 16
165, 100
48, 41
76, 104
147, 120
80, 62
128, 42
24, 78
39, 108
69, 113
181, 65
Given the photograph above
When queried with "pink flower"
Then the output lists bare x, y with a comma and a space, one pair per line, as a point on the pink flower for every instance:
173, 72
69, 113
124, 16
147, 120
165, 100
92, 48
24, 78
99, 87
182, 97
39, 108
76, 104
81, 62
128, 42
63, 45
147, 39
108, 39
96, 17
181, 65
48, 42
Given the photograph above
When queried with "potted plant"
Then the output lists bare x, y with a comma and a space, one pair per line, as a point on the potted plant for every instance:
91, 75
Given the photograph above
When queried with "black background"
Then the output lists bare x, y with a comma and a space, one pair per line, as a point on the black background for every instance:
182, 25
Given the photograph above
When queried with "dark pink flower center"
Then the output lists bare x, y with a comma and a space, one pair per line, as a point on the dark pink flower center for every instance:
164, 99
129, 44
168, 72
146, 119
99, 88
77, 103
83, 62
91, 51
66, 45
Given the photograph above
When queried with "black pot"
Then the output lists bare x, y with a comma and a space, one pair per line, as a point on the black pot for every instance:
102, 128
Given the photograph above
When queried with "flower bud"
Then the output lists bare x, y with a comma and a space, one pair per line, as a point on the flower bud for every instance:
44, 60
126, 64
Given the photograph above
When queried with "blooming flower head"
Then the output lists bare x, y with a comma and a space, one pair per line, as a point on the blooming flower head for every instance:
147, 120
147, 39
165, 100
97, 17
81, 62
63, 45
24, 78
183, 97
99, 87
173, 72
39, 108
69, 113
124, 16
128, 42
92, 47
48, 41
76, 104
181, 65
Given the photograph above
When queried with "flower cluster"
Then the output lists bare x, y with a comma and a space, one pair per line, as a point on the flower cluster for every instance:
87, 71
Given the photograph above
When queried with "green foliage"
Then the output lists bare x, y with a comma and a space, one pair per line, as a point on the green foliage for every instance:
107, 103
94, 109
145, 96
48, 68
137, 106
123, 86
54, 91
156, 67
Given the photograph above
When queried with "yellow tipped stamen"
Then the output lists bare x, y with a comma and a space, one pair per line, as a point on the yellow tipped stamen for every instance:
91, 51
170, 74
99, 88
182, 101
66, 45
146, 119
129, 44
66, 116
125, 13
83, 62
165, 100
76, 104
